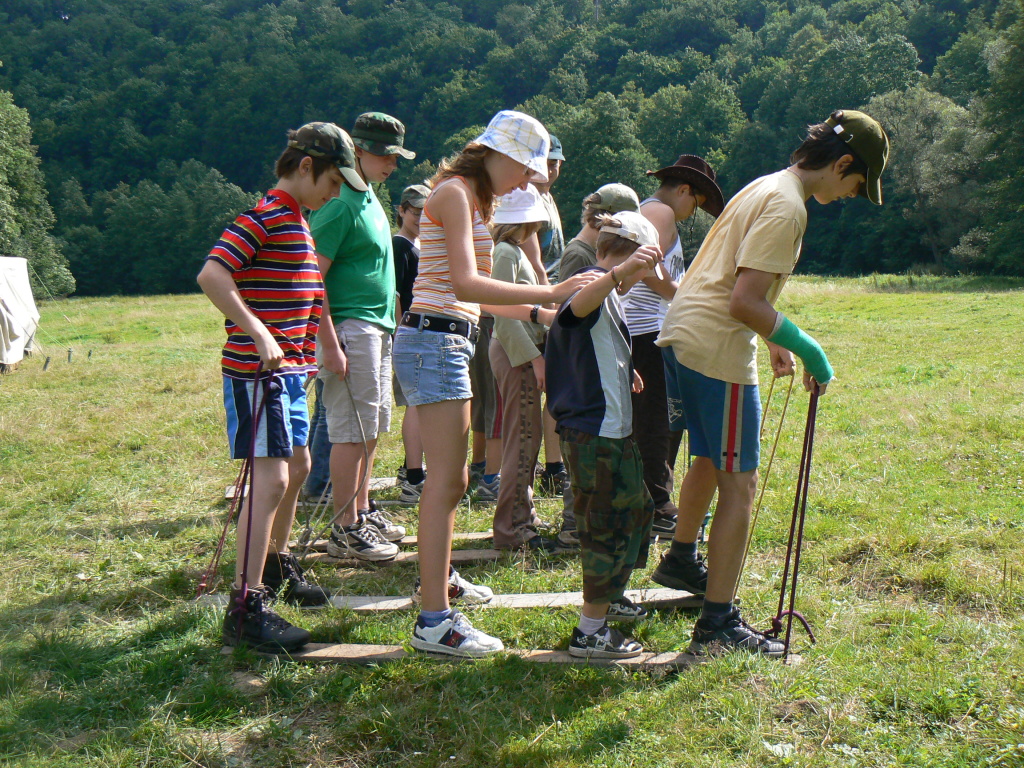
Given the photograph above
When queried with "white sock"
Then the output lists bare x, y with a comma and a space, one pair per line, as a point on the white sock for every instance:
589, 626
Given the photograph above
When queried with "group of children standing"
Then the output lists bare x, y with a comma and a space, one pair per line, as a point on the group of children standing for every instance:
623, 294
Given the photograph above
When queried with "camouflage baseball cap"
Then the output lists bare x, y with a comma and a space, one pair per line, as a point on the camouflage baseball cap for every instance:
380, 134
415, 195
868, 140
329, 141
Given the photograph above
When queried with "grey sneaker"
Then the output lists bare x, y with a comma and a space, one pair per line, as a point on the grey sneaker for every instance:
362, 541
606, 643
410, 493
487, 493
568, 540
388, 529
734, 634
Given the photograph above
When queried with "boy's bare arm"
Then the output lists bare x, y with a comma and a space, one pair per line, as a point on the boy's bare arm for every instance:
593, 295
220, 288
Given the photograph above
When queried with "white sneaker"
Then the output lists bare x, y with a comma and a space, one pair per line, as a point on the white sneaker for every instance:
361, 541
454, 636
460, 590
383, 524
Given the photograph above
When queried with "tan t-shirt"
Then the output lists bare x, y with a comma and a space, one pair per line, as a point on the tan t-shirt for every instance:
761, 228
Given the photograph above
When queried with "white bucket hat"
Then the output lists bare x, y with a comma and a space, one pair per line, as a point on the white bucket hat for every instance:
520, 206
522, 138
634, 227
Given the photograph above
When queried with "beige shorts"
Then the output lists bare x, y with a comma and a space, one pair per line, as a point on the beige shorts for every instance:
363, 397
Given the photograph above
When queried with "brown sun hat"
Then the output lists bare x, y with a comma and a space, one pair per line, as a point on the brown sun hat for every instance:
695, 171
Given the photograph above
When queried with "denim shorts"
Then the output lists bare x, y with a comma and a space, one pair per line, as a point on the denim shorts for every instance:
283, 420
432, 367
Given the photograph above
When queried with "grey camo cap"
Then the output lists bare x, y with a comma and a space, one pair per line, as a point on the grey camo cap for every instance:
329, 141
380, 134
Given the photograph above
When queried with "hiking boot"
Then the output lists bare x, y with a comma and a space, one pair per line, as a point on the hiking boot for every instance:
732, 634
568, 540
261, 629
454, 636
664, 527
362, 541
552, 483
606, 643
625, 609
460, 590
487, 493
410, 494
383, 524
689, 576
325, 499
285, 580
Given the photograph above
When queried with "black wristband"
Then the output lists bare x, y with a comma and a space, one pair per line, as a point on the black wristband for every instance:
533, 313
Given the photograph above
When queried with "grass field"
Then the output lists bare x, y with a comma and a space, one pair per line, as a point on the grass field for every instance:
112, 471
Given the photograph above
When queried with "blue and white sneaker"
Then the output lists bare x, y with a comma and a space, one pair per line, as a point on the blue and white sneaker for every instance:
455, 636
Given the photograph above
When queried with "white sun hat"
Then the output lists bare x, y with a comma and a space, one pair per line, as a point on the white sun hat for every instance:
520, 206
522, 138
635, 227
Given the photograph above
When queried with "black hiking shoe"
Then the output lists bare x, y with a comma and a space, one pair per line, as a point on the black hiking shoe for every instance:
261, 629
689, 576
285, 580
606, 643
732, 634
552, 483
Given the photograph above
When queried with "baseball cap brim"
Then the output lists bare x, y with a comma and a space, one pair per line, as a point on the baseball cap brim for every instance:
872, 188
352, 178
382, 150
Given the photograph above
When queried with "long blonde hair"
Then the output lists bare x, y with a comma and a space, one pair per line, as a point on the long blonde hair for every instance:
469, 163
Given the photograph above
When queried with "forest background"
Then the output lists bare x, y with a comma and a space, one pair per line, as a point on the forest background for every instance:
131, 131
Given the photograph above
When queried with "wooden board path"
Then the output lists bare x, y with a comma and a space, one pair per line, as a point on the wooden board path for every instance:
650, 598
406, 558
320, 545
376, 484
346, 653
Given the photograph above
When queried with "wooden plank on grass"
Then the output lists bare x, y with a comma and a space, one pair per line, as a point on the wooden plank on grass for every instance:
376, 484
458, 556
350, 653
655, 597
320, 545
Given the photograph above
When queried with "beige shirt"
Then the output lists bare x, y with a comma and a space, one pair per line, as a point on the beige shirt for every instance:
520, 340
761, 228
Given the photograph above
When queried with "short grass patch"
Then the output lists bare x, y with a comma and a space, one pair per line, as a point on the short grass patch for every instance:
112, 470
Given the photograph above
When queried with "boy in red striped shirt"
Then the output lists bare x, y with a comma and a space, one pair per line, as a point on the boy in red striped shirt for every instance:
263, 275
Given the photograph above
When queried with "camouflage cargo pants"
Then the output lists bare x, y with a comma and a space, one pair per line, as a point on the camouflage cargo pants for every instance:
613, 510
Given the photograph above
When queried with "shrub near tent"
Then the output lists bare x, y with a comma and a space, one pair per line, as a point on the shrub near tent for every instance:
19, 317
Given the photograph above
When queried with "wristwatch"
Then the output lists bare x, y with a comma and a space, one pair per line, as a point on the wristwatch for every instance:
533, 313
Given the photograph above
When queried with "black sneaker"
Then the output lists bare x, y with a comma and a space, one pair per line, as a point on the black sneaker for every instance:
606, 643
733, 634
261, 628
689, 576
664, 526
625, 609
552, 483
285, 580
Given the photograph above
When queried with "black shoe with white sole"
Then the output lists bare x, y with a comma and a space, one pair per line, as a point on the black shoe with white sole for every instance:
606, 643
732, 634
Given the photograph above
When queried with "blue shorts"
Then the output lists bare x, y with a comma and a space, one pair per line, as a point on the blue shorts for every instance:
283, 423
432, 367
723, 419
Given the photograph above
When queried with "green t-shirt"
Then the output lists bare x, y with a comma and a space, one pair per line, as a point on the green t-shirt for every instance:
352, 231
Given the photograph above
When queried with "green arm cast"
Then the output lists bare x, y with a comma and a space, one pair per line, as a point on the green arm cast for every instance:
790, 337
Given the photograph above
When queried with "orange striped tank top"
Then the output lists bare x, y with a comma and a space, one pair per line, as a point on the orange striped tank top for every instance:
432, 293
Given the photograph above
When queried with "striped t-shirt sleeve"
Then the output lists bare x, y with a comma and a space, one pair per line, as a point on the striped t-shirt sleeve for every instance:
240, 242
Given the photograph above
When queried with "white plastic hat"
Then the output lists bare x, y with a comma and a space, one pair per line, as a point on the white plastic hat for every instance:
522, 138
520, 206
634, 227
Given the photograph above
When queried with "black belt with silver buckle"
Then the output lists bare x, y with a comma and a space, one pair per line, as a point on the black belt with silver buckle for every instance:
440, 324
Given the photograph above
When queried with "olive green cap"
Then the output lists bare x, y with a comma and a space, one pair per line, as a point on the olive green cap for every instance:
868, 140
380, 134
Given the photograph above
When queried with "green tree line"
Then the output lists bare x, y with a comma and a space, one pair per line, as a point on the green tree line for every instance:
156, 120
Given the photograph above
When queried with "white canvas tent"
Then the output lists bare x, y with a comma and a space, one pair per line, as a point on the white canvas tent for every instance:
19, 317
